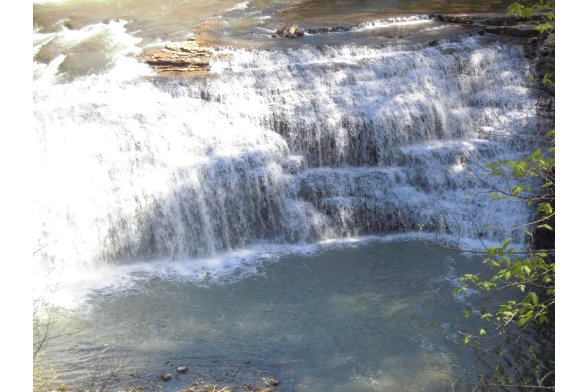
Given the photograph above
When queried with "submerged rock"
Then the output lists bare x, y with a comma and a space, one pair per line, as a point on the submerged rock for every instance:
166, 376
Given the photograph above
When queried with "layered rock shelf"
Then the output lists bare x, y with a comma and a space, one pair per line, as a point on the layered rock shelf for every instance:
184, 56
496, 24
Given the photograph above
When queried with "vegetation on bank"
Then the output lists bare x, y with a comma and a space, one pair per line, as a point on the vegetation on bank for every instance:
527, 275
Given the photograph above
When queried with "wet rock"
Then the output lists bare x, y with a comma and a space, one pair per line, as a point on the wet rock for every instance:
327, 30
486, 19
166, 376
515, 31
185, 56
272, 382
72, 25
182, 369
541, 52
547, 47
293, 32
497, 24
214, 388
454, 18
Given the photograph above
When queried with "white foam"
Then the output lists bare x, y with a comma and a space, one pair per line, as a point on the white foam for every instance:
69, 288
72, 287
240, 6
119, 44
394, 21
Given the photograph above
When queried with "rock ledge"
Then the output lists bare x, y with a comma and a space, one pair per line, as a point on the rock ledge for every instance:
184, 56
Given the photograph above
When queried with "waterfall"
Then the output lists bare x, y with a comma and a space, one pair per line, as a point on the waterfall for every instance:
275, 146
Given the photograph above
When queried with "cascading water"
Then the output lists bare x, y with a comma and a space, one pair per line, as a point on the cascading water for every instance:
286, 146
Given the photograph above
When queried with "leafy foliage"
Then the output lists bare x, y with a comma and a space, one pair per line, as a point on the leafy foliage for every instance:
545, 9
525, 276
532, 272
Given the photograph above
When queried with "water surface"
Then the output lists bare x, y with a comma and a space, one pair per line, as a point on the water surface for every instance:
370, 316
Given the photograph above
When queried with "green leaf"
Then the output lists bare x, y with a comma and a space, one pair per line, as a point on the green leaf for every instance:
515, 9
522, 322
526, 269
482, 331
545, 208
506, 243
545, 27
534, 298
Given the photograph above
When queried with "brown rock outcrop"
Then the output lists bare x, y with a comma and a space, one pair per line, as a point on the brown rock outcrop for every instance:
185, 56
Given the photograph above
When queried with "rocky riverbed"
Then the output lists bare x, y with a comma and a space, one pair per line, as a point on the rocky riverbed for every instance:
222, 378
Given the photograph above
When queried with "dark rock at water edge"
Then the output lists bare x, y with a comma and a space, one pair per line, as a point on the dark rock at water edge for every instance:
497, 23
516, 31
485, 19
292, 32
541, 52
327, 30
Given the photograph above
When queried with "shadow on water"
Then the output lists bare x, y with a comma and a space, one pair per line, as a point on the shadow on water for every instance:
366, 317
